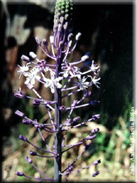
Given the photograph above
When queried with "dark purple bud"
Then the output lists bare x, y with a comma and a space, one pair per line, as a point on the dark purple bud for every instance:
38, 40
62, 108
28, 159
33, 153
45, 42
23, 138
27, 121
97, 162
87, 94
25, 58
36, 102
95, 174
19, 113
94, 102
76, 119
19, 173
95, 131
19, 94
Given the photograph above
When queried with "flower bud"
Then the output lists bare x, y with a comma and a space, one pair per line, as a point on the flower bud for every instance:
94, 102
62, 108
19, 173
19, 113
51, 39
33, 153
28, 159
25, 58
76, 119
61, 20
70, 43
36, 102
95, 174
45, 42
70, 36
65, 26
32, 55
19, 94
85, 57
97, 162
78, 36
38, 40
23, 138
95, 130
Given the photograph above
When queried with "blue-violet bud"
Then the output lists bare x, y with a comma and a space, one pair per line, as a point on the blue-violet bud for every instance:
23, 138
33, 153
19, 173
95, 174
28, 159
76, 119
97, 162
94, 102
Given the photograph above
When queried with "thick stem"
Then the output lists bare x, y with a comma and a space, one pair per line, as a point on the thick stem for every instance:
58, 135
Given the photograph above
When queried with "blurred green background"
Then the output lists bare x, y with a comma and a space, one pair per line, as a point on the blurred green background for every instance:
107, 33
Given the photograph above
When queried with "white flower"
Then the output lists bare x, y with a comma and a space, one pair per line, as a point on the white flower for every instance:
52, 82
23, 69
32, 75
95, 81
71, 70
82, 83
93, 67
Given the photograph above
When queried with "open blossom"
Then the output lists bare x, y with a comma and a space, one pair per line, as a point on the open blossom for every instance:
23, 69
52, 82
83, 83
94, 68
32, 76
69, 69
95, 81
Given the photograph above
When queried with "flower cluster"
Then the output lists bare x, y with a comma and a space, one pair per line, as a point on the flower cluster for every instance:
62, 44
